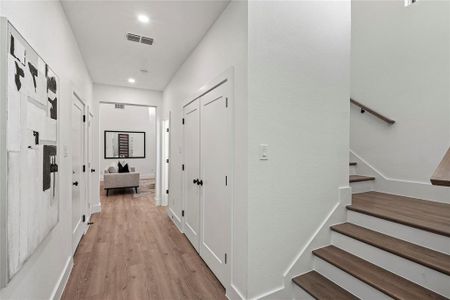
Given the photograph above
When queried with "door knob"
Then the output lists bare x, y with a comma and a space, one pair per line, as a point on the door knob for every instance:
200, 182
195, 181
75, 183
92, 170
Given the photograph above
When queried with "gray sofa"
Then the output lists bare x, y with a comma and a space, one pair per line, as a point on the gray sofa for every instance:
115, 180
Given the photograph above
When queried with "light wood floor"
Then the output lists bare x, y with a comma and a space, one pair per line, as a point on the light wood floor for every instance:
133, 251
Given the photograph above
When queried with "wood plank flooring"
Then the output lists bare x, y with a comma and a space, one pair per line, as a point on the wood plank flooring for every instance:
133, 251
425, 215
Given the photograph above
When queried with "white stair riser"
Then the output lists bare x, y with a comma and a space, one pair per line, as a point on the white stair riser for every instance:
362, 186
410, 234
423, 276
352, 170
300, 294
347, 281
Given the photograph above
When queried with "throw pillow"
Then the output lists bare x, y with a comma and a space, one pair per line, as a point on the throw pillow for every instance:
123, 168
112, 169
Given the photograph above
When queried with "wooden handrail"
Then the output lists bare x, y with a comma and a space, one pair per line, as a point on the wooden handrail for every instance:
442, 174
371, 111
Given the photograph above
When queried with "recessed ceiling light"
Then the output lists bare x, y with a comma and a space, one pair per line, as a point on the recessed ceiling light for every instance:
143, 18
131, 80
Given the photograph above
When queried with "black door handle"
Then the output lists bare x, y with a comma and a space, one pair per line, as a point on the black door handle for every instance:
75, 183
195, 181
92, 170
200, 182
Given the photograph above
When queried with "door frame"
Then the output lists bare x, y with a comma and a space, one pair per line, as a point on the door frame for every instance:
91, 187
84, 182
158, 138
226, 77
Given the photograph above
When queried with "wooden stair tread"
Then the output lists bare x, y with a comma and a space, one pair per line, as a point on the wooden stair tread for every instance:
353, 163
359, 178
392, 285
442, 174
320, 287
421, 255
426, 215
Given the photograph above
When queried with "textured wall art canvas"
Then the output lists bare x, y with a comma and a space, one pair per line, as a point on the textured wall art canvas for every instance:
32, 154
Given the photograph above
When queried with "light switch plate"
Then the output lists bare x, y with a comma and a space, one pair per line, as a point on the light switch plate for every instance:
263, 152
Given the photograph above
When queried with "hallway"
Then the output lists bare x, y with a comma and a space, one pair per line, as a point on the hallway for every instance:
133, 251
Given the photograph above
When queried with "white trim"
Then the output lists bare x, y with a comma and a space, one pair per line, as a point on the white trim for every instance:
175, 219
303, 261
62, 280
227, 75
3, 153
409, 188
233, 293
96, 208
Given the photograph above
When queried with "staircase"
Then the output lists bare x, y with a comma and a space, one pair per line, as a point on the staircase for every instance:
391, 247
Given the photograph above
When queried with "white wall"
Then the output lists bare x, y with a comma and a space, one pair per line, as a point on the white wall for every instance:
131, 118
298, 86
401, 68
44, 25
224, 46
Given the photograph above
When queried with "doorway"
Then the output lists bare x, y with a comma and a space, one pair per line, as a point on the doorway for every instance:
128, 135
79, 199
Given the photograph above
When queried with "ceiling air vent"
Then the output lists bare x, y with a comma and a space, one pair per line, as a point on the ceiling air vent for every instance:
139, 39
133, 37
120, 106
146, 40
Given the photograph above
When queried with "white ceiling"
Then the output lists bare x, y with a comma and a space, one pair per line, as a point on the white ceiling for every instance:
176, 26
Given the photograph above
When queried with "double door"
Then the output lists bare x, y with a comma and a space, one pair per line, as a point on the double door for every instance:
207, 178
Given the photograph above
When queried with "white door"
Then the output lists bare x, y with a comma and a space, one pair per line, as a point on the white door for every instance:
215, 174
92, 188
165, 156
78, 184
192, 172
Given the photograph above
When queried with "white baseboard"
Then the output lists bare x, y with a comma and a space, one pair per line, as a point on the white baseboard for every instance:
148, 176
415, 189
165, 200
96, 208
303, 261
62, 281
233, 293
175, 219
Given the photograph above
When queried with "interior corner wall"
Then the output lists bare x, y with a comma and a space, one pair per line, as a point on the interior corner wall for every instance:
298, 105
44, 25
223, 46
401, 68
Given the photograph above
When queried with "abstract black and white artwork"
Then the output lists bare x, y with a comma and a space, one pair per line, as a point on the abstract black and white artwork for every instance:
32, 173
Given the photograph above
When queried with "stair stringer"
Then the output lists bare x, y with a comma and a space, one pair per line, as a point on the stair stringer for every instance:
415, 189
304, 260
